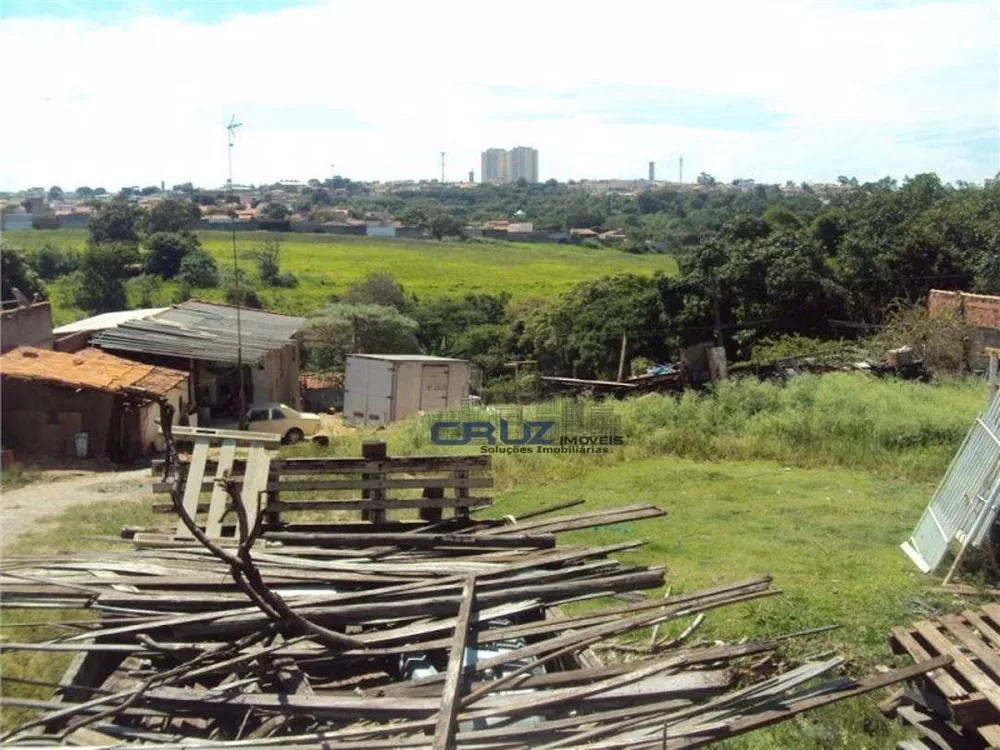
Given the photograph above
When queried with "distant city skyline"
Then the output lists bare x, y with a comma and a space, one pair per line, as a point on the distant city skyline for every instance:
134, 93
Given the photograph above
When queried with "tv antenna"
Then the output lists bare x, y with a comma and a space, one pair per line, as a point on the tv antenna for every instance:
231, 130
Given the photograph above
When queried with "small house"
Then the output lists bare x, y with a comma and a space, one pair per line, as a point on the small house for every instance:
384, 388
87, 403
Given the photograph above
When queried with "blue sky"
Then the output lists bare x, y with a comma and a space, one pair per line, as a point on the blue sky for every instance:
138, 92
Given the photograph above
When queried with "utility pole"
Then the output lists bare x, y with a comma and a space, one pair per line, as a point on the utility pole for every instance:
621, 358
231, 128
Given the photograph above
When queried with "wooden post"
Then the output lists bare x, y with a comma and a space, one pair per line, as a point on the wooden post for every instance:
621, 359
432, 515
992, 375
373, 450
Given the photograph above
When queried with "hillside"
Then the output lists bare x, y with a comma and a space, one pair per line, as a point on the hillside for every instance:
325, 265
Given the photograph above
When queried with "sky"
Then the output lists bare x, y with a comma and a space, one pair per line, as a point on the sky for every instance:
117, 92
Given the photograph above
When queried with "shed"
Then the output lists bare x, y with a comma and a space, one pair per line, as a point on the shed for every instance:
384, 388
49, 397
208, 340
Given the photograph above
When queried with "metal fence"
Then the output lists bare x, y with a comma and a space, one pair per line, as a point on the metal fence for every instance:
967, 501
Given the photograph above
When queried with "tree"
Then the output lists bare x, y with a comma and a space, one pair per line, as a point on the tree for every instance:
56, 193
267, 256
150, 190
705, 179
166, 250
100, 191
83, 192
116, 220
339, 330
276, 212
445, 225
198, 269
16, 274
103, 268
828, 228
148, 286
780, 217
377, 288
172, 215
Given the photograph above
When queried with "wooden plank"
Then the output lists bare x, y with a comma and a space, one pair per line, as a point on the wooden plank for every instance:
990, 733
339, 465
944, 682
444, 731
292, 506
378, 483
987, 656
242, 436
417, 541
192, 486
933, 730
255, 482
985, 629
220, 498
961, 663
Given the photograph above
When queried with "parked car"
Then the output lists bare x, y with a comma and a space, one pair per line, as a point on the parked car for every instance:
281, 419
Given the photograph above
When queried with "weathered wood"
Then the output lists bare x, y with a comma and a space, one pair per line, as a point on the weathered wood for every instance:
960, 662
255, 482
444, 732
292, 506
220, 499
212, 435
192, 487
418, 541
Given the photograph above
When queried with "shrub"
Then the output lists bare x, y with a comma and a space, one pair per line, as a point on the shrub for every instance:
199, 270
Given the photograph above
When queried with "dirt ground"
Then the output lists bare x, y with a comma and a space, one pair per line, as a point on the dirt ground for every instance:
58, 490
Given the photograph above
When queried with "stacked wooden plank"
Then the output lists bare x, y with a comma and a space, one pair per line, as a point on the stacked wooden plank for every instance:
957, 706
445, 645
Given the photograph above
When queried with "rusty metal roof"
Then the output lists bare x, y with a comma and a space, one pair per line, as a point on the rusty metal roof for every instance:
87, 368
204, 331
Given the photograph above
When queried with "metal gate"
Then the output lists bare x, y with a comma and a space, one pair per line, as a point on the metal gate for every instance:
966, 502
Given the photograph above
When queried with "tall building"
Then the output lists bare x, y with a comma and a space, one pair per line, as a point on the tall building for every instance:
495, 165
652, 171
524, 164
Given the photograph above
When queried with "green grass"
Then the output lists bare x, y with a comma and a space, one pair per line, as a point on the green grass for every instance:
18, 475
815, 484
326, 265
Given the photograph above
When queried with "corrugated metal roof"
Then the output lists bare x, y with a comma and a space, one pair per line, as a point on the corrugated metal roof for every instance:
87, 368
407, 357
107, 320
203, 331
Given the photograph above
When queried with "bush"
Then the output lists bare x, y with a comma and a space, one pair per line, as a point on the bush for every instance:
199, 270
51, 262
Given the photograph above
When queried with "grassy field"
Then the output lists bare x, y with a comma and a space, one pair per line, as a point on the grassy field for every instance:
815, 483
325, 265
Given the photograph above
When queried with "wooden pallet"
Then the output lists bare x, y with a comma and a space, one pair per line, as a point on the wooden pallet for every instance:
967, 692
377, 482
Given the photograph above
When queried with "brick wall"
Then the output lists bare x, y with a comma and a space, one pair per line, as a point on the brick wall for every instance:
978, 310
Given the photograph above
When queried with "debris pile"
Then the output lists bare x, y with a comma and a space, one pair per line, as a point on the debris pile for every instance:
439, 633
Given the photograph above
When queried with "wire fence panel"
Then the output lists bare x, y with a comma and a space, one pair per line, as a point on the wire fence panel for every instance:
966, 502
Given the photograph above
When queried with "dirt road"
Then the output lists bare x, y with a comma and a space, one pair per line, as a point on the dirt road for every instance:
20, 509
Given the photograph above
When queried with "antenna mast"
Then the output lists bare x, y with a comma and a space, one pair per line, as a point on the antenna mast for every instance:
231, 130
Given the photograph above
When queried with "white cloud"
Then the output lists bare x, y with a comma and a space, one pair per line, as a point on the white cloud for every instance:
381, 92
